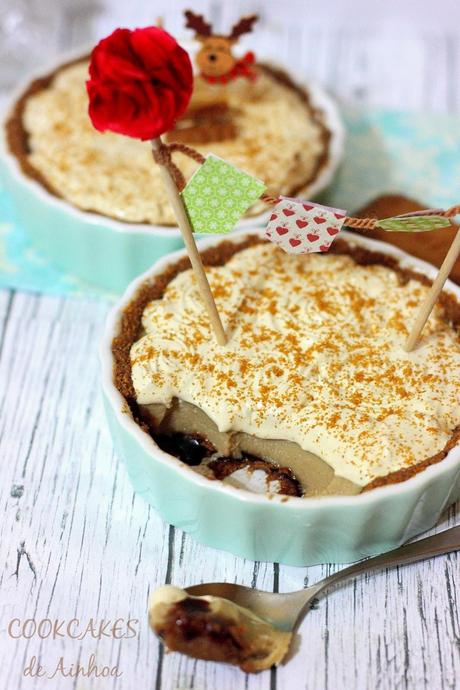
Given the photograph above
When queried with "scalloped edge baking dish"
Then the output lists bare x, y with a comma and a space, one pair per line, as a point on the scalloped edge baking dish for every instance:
294, 531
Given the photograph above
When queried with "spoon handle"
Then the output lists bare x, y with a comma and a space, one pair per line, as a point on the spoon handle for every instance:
438, 544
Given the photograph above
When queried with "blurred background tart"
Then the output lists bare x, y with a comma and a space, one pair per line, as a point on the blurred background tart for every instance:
270, 127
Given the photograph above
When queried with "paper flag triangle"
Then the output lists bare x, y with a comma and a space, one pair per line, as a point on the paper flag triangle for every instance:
302, 227
419, 223
218, 194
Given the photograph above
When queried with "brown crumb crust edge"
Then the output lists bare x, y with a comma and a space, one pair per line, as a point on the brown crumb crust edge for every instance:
130, 325
17, 136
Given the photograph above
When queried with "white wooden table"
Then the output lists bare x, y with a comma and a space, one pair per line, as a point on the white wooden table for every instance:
76, 543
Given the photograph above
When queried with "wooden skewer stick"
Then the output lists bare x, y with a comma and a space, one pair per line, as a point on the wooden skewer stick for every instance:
431, 298
189, 241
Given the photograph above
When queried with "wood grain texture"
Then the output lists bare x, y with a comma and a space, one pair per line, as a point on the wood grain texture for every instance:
74, 540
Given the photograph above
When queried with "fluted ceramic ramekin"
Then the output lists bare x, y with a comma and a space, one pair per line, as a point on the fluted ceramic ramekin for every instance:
109, 253
295, 531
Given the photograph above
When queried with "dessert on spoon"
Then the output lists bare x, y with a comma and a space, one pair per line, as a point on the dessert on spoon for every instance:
252, 629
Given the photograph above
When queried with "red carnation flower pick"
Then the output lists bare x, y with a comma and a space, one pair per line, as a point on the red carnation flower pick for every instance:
140, 82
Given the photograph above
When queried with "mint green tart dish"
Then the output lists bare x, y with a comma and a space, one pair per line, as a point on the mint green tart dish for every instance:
290, 530
108, 253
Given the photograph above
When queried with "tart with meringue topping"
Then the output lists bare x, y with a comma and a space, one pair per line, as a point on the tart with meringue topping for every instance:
314, 393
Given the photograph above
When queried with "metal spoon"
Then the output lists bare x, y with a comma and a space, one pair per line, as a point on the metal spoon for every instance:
285, 611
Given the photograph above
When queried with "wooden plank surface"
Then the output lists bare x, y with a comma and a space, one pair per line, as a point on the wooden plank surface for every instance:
74, 540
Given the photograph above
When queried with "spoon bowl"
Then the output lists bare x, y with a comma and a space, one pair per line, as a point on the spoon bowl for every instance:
285, 611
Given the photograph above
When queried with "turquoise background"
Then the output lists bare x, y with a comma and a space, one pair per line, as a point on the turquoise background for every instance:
417, 155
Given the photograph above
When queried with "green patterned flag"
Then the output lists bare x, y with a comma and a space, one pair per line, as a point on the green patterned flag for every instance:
420, 223
218, 194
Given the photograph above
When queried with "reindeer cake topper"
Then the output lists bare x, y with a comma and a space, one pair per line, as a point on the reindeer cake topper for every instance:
215, 58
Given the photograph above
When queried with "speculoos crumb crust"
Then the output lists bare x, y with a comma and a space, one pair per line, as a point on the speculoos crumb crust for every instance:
130, 325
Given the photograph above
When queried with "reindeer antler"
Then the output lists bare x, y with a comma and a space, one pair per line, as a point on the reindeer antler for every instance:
243, 26
198, 23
